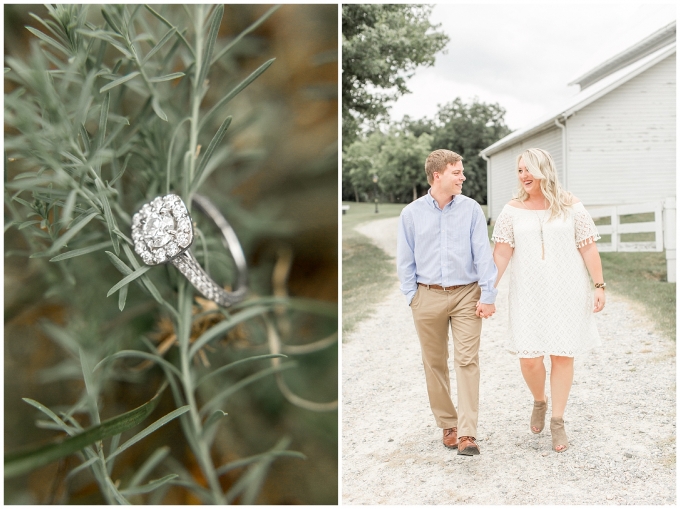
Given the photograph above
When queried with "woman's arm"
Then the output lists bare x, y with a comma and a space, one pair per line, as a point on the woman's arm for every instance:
502, 253
591, 257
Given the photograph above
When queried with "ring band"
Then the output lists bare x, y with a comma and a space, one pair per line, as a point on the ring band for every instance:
163, 232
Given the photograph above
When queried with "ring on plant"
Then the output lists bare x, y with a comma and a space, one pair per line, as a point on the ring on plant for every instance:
163, 233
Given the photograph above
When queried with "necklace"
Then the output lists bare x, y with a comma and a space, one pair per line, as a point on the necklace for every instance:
540, 224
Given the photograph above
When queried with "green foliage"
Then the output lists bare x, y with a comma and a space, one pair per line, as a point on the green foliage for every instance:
398, 157
109, 110
381, 47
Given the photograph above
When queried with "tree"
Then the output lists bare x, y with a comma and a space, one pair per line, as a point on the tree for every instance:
468, 129
359, 164
402, 165
382, 46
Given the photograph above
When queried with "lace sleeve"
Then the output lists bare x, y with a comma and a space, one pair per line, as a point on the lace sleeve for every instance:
502, 230
584, 227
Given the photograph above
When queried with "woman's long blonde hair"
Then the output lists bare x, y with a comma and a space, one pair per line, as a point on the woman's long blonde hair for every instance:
541, 165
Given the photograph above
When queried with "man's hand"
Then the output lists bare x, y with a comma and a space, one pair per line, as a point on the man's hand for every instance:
485, 310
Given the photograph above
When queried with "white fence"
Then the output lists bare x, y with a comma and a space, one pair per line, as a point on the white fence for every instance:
663, 228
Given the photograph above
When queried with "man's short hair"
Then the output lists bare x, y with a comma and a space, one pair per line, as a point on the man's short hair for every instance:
438, 161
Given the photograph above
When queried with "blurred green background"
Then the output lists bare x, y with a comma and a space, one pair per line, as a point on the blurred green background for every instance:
279, 190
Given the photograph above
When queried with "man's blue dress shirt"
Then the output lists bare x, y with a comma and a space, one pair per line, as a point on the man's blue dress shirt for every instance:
445, 247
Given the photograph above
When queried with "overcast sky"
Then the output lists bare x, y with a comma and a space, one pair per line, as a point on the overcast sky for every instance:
523, 55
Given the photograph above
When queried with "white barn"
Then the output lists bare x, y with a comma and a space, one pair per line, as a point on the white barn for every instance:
613, 142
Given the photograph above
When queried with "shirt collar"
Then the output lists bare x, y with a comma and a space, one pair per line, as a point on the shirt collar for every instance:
434, 202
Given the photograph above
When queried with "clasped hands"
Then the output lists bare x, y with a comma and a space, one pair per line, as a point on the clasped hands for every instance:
485, 310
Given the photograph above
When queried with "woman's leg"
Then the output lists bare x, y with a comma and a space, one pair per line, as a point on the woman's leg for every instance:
561, 376
533, 372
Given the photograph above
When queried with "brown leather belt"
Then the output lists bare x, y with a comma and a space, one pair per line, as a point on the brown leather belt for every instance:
437, 287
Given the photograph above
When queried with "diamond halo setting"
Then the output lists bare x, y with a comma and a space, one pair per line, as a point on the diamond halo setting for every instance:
162, 229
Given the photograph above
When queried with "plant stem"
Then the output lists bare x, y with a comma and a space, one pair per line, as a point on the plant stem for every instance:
203, 451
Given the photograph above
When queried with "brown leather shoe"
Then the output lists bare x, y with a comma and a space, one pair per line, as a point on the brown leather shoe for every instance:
451, 438
468, 446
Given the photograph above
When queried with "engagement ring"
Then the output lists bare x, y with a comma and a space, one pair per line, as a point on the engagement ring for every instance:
163, 232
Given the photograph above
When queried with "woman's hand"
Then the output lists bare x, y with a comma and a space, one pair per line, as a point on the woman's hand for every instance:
598, 300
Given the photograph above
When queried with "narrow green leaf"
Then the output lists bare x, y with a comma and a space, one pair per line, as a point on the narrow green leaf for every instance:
248, 30
167, 77
25, 461
150, 429
160, 44
215, 20
148, 466
224, 326
219, 136
108, 215
228, 367
252, 77
62, 425
31, 222
214, 418
80, 252
118, 263
119, 81
104, 115
71, 232
147, 488
120, 173
67, 211
82, 467
244, 462
49, 40
122, 297
157, 109
141, 355
116, 494
61, 336
128, 279
221, 396
85, 137
110, 22
170, 25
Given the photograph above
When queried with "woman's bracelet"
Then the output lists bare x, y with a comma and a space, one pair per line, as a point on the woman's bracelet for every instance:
600, 285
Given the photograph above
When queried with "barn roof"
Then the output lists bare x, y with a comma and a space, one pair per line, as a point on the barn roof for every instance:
599, 81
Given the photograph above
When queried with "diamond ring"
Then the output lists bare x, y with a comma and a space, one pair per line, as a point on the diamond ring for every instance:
163, 232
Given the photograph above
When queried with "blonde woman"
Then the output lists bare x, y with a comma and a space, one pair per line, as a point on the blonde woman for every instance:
550, 238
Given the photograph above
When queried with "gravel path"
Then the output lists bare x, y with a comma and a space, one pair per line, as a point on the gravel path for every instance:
620, 417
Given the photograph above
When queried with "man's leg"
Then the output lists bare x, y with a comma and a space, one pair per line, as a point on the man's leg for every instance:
466, 328
431, 319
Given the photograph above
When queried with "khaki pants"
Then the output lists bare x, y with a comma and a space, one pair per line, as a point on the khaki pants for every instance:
433, 311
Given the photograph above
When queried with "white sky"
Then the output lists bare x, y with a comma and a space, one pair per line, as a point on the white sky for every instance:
523, 55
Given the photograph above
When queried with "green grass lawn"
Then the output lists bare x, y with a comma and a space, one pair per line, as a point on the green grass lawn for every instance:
365, 268
640, 277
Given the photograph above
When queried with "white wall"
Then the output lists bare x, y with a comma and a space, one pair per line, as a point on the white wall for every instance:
621, 148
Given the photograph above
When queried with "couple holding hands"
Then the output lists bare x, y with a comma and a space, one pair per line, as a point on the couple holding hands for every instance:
449, 276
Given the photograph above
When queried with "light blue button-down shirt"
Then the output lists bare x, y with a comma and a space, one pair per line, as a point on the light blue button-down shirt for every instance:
445, 247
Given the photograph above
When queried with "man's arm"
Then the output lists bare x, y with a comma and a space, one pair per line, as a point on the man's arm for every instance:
482, 257
406, 261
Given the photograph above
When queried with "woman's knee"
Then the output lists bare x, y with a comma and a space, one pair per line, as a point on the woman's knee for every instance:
561, 361
533, 364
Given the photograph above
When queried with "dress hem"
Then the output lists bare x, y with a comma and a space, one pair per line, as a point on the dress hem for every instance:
543, 353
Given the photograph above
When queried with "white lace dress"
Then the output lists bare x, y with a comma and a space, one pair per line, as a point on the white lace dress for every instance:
551, 300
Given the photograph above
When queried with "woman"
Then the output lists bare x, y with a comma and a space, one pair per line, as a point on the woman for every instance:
551, 239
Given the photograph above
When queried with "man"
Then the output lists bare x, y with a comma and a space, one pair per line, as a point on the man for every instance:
447, 273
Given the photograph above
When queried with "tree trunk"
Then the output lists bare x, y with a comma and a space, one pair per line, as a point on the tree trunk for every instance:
415, 193
356, 194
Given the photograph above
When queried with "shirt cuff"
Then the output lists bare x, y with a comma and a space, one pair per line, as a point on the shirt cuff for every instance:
488, 296
410, 295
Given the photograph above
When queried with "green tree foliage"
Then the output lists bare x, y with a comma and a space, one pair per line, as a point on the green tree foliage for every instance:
467, 129
398, 157
382, 46
401, 165
359, 164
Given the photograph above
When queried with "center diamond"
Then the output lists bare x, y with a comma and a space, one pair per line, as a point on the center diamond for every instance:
155, 230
